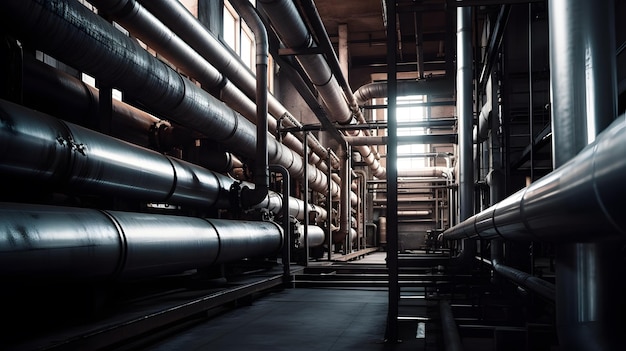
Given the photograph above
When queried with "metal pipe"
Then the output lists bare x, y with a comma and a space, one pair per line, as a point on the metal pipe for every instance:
174, 14
82, 161
315, 236
451, 336
464, 108
261, 173
38, 241
292, 30
581, 197
286, 252
67, 156
584, 102
344, 204
433, 86
140, 75
404, 139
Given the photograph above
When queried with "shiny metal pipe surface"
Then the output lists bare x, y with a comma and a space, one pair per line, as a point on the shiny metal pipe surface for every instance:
174, 14
420, 87
38, 241
68, 157
118, 61
578, 202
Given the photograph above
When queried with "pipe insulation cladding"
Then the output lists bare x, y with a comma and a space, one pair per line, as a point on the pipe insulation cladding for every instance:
38, 241
118, 61
581, 201
64, 156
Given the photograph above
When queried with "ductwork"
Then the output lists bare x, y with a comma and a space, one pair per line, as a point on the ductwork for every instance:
580, 201
118, 61
39, 241
433, 86
174, 15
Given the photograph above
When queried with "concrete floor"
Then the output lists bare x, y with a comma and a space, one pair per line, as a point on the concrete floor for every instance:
299, 319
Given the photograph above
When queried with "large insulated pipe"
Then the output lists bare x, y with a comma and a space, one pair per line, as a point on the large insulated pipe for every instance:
433, 86
143, 25
67, 156
175, 16
119, 61
580, 201
38, 241
293, 32
584, 102
76, 159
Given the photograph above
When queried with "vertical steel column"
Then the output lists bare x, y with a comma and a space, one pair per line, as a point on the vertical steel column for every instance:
305, 197
286, 254
391, 333
584, 101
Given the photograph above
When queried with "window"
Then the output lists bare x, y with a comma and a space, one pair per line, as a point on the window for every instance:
408, 154
238, 36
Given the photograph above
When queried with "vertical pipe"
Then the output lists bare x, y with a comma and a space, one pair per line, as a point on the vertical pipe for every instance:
583, 87
530, 92
305, 198
261, 169
391, 333
344, 205
329, 208
286, 254
465, 120
464, 111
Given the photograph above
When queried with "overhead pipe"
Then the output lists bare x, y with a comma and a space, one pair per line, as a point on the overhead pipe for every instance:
72, 158
155, 34
174, 15
141, 76
293, 32
57, 93
52, 242
431, 86
313, 17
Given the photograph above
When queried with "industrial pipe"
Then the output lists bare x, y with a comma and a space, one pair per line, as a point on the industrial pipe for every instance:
315, 236
578, 202
174, 15
38, 241
119, 61
433, 86
80, 160
293, 32
451, 336
261, 169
